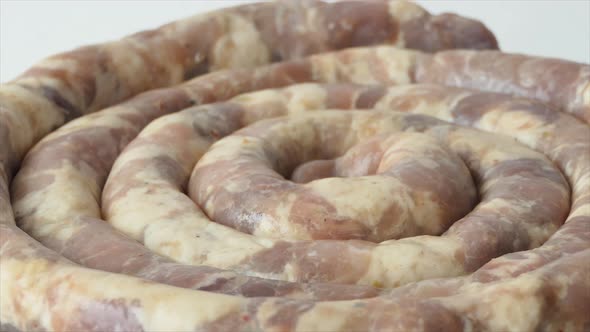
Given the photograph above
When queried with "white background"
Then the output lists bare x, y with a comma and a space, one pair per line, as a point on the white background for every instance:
32, 30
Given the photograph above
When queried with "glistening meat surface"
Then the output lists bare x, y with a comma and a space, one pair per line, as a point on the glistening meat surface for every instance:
372, 188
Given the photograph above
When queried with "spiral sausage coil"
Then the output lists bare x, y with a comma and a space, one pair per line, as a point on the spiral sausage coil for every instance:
297, 166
